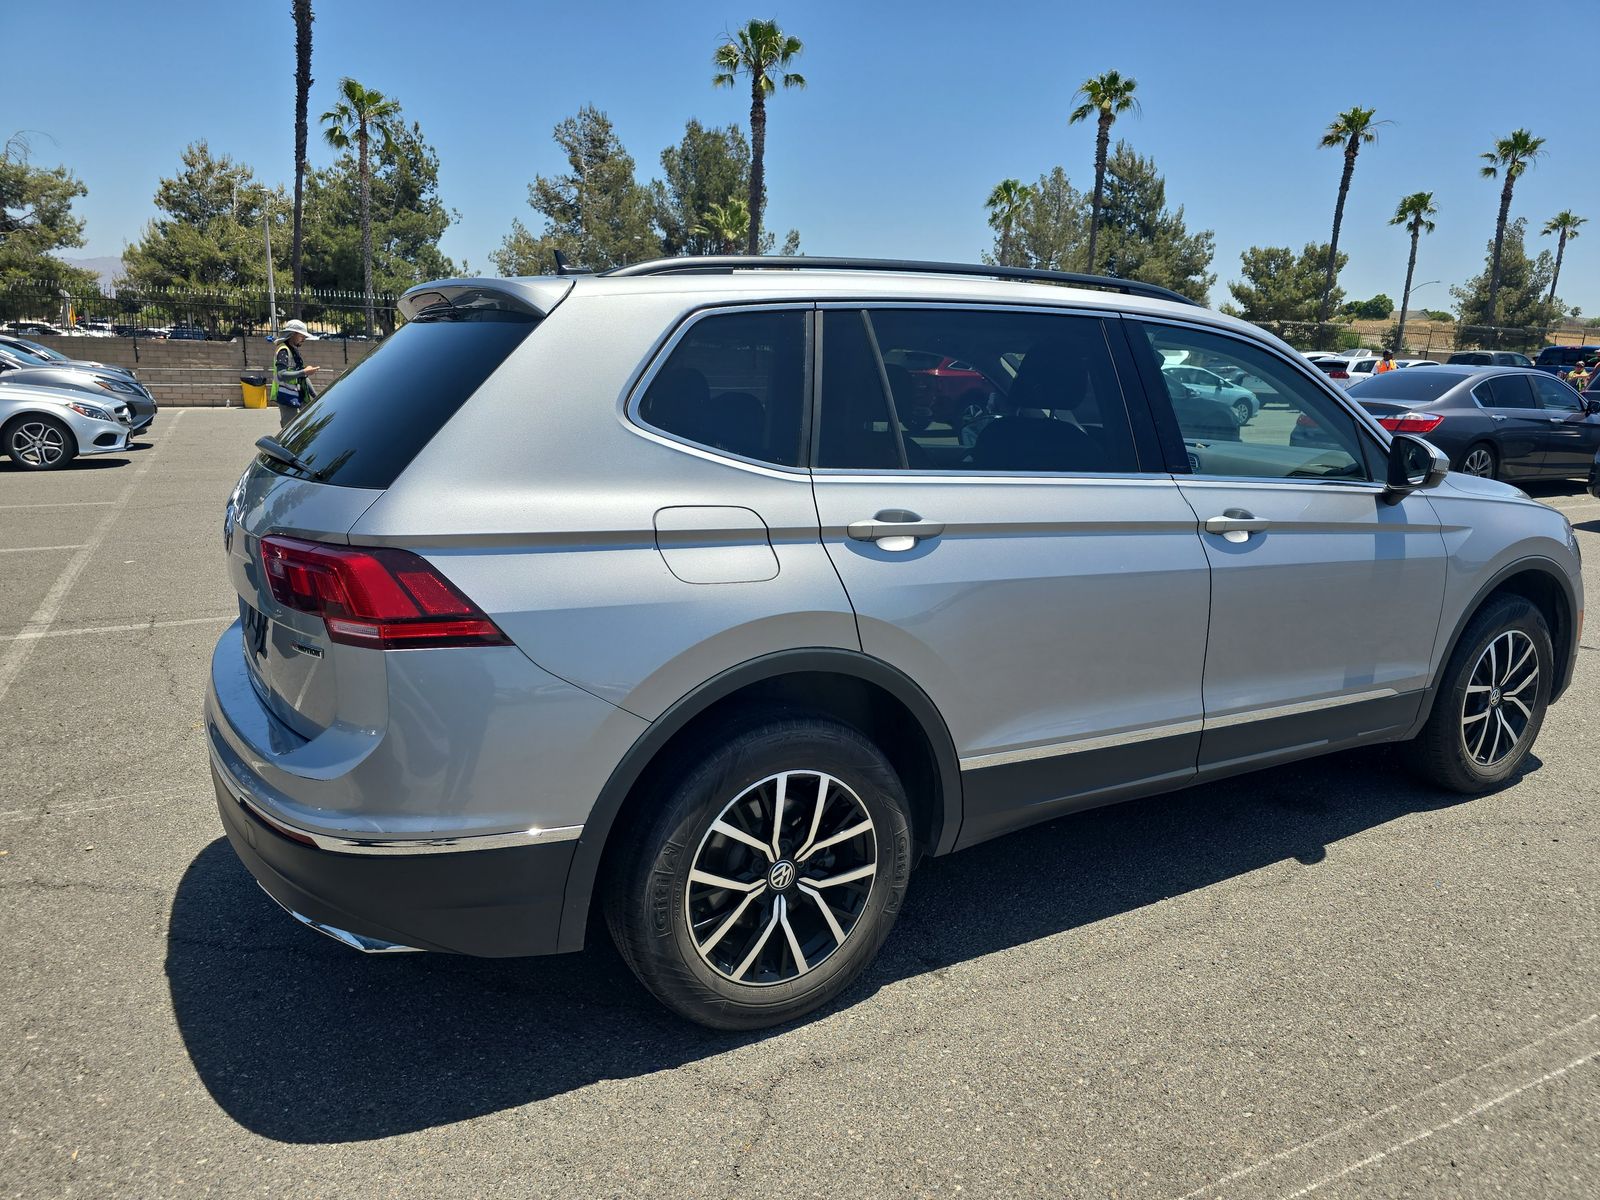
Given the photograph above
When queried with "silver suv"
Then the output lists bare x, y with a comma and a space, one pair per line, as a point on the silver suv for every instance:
710, 595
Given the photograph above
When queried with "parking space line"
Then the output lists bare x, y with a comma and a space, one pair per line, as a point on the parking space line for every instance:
29, 549
136, 627
1387, 1110
1475, 1110
18, 653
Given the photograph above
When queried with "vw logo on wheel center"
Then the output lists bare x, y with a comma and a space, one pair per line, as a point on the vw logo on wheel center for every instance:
781, 875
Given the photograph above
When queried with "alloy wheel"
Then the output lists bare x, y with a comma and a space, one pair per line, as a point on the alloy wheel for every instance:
1480, 462
39, 444
782, 878
1498, 706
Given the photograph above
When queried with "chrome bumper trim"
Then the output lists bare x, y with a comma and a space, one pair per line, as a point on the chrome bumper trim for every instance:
356, 941
341, 844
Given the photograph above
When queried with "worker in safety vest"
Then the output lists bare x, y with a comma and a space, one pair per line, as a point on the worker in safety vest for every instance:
290, 388
1386, 363
1579, 376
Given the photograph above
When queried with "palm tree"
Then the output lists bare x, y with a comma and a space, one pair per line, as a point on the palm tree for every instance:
1413, 212
360, 114
1565, 223
1351, 129
1005, 205
1510, 157
302, 97
755, 50
1107, 95
729, 223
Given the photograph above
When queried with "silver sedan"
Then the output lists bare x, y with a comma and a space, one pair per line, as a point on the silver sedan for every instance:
44, 428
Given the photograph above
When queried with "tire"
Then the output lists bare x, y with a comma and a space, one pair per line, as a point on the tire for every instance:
1241, 411
1484, 693
1480, 459
36, 442
726, 958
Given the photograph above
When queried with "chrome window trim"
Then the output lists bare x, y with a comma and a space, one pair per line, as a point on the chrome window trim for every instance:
633, 395
341, 844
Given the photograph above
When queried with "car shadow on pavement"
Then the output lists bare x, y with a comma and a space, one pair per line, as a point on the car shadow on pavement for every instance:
96, 463
301, 1040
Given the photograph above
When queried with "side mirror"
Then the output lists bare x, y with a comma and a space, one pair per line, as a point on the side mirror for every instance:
1414, 465
1591, 405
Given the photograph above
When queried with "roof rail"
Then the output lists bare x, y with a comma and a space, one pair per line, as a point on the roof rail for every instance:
722, 264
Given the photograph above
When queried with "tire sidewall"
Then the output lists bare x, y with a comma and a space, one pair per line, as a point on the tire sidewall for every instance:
667, 950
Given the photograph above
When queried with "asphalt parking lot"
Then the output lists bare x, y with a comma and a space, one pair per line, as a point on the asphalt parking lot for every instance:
1321, 980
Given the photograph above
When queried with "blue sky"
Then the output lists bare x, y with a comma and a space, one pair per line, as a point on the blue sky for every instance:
914, 111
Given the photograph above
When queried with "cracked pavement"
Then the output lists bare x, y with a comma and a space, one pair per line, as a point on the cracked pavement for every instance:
1322, 980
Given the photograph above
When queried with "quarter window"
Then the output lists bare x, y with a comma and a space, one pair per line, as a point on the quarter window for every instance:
967, 390
735, 382
1273, 423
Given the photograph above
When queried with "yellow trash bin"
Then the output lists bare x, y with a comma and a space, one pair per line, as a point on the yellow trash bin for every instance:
254, 389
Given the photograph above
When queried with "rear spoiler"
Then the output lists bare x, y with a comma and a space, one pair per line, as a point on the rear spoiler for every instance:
536, 295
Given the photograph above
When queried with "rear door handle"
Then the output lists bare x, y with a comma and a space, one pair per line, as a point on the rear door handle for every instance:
1236, 525
894, 529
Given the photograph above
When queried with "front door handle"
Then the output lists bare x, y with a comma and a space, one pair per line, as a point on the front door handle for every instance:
1496, 417
1236, 525
894, 529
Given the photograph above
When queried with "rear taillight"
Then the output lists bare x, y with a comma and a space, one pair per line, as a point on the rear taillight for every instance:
1339, 374
375, 597
1412, 422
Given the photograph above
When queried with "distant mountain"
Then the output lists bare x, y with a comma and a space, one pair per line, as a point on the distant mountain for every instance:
108, 268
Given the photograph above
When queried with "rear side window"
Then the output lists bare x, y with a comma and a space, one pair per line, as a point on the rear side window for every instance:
735, 382
1019, 392
1504, 391
375, 420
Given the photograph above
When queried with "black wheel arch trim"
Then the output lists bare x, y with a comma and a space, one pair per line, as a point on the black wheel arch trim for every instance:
1564, 661
583, 874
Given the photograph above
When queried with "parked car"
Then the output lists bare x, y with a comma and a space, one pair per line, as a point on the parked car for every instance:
10, 341
32, 328
1404, 363
1559, 360
1241, 401
1488, 358
952, 391
1497, 422
187, 333
20, 367
45, 428
719, 651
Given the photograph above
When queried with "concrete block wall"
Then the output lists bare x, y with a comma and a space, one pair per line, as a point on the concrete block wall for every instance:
205, 374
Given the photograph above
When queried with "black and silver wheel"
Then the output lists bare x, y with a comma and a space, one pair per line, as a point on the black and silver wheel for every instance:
1479, 460
1491, 699
770, 877
1241, 411
39, 443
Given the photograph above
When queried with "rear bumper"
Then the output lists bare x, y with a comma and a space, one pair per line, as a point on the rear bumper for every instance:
494, 903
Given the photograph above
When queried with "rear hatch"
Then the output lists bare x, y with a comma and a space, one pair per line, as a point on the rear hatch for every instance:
313, 657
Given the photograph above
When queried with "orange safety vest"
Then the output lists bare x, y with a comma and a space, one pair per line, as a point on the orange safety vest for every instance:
1383, 365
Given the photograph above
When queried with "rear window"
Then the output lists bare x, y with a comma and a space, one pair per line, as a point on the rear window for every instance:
374, 421
1417, 387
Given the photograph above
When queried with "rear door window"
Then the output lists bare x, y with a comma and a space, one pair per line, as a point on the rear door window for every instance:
369, 426
1034, 393
735, 383
1505, 391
